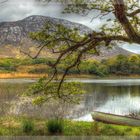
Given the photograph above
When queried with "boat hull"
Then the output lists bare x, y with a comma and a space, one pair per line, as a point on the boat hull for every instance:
115, 119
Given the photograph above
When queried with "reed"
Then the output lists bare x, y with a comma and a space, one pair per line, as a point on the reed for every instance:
20, 75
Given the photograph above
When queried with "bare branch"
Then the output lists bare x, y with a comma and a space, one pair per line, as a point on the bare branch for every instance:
134, 13
26, 53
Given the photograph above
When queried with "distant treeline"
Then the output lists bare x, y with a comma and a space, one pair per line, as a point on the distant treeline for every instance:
119, 65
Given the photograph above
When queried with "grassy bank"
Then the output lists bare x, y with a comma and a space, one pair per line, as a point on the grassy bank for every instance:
13, 127
17, 75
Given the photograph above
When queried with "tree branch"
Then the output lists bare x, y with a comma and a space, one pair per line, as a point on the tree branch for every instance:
134, 13
120, 13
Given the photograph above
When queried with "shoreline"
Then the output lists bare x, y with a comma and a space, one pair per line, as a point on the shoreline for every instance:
34, 76
21, 75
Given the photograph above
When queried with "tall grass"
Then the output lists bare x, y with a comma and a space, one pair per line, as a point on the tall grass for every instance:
27, 126
55, 126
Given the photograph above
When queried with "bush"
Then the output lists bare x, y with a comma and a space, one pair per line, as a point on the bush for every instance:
39, 70
128, 129
27, 126
39, 61
55, 126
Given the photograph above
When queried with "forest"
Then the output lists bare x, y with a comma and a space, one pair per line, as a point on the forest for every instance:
118, 65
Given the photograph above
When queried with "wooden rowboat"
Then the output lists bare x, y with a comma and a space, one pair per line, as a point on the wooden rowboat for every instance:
115, 119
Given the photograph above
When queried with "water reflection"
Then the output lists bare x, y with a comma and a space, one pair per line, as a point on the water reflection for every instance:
118, 99
111, 96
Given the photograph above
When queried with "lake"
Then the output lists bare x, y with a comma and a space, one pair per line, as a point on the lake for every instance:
117, 96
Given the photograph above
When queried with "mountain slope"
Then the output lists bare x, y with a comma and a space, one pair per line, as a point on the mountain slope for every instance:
16, 34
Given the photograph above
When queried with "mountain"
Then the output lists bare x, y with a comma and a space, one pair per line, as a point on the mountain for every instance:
16, 34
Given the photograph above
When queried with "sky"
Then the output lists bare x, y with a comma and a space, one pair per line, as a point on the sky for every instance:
18, 9
14, 10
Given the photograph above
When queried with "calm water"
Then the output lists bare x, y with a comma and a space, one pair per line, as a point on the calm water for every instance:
111, 96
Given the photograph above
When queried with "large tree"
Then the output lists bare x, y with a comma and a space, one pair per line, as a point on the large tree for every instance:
122, 25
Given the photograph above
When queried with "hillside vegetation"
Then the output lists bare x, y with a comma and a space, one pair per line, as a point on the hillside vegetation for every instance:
119, 65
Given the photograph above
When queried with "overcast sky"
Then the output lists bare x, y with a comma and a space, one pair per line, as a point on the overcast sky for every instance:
18, 9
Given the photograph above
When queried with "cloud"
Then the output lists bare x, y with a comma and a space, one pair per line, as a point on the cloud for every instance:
18, 9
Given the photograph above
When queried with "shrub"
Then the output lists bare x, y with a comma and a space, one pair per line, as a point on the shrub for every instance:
27, 126
39, 70
128, 129
39, 61
55, 126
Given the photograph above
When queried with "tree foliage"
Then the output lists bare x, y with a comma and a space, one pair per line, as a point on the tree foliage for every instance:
44, 92
121, 26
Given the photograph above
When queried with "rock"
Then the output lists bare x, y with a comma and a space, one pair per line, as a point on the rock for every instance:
16, 34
